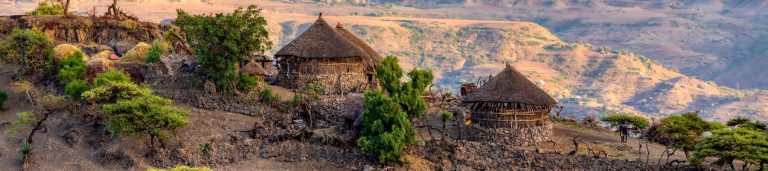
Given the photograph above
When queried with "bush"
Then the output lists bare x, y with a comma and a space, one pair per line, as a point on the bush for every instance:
47, 8
626, 123
729, 144
26, 148
3, 98
145, 115
386, 127
247, 83
29, 48
76, 88
267, 96
113, 76
222, 41
156, 51
72, 69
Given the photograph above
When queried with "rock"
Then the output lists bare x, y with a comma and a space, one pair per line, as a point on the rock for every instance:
367, 168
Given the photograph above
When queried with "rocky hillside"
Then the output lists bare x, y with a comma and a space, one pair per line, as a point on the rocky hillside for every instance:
590, 79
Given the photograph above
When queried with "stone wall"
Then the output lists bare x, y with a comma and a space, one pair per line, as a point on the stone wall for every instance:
350, 82
512, 136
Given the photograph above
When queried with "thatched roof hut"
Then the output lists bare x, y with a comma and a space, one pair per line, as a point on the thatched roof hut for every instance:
254, 68
334, 59
509, 100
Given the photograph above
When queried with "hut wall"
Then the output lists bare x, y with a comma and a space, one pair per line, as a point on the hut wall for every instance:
334, 76
509, 115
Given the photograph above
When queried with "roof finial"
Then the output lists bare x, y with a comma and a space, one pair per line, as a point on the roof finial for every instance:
338, 25
321, 16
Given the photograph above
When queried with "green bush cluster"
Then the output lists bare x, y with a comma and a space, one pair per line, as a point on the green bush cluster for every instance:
267, 96
386, 119
729, 144
72, 75
222, 41
132, 109
47, 8
247, 83
683, 131
30, 49
156, 51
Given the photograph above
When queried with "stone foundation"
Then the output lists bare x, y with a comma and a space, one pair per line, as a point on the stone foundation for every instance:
528, 136
330, 83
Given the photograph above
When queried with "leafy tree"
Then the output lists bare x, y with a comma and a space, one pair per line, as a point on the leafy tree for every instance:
729, 144
626, 123
741, 122
221, 42
683, 130
386, 127
48, 8
145, 115
76, 88
71, 68
31, 49
3, 98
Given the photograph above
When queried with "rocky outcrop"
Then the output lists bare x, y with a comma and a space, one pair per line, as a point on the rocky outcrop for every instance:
121, 34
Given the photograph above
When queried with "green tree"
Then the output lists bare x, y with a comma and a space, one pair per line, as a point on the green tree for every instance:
626, 123
31, 49
729, 144
683, 131
145, 115
386, 127
3, 98
71, 69
221, 42
115, 91
48, 8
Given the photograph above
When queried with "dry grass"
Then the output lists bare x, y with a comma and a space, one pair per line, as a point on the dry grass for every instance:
65, 50
137, 54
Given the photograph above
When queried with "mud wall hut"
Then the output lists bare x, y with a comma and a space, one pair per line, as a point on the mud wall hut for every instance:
509, 100
333, 59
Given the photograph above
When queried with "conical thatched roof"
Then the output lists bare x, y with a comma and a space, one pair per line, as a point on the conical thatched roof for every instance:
321, 41
253, 68
510, 86
371, 58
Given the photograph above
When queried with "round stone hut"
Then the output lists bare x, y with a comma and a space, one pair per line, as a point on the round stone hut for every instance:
510, 109
333, 59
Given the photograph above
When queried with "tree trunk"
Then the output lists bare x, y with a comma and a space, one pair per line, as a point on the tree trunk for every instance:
37, 127
66, 8
687, 156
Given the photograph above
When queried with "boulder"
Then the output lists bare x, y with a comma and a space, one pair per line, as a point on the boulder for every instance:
65, 50
137, 54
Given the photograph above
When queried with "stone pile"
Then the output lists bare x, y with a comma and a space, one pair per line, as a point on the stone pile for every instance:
528, 136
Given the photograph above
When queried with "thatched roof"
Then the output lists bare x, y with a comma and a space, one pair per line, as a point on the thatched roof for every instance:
254, 68
510, 86
321, 41
371, 58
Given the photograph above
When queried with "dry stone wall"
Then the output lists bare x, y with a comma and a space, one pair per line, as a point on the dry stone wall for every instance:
330, 83
528, 136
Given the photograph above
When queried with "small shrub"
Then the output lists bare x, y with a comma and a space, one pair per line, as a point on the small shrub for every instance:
24, 118
76, 88
145, 115
29, 48
206, 147
3, 98
447, 116
72, 69
156, 51
26, 148
386, 129
47, 8
113, 76
247, 83
115, 91
267, 96
447, 94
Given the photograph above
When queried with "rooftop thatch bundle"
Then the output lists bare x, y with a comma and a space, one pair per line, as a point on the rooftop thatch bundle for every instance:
321, 41
372, 58
510, 86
